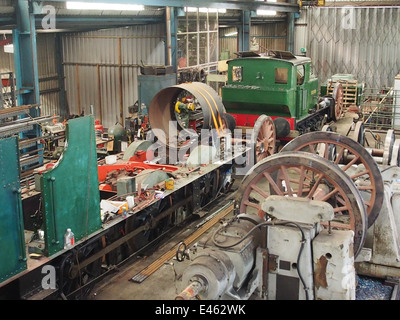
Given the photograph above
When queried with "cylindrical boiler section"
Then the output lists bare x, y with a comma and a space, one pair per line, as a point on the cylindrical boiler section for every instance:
177, 114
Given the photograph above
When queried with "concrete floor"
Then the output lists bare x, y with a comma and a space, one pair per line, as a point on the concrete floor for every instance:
163, 284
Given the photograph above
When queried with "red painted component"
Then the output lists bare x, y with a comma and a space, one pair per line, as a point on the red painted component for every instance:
6, 41
98, 126
131, 166
141, 156
105, 187
145, 122
6, 82
248, 120
192, 125
285, 138
49, 166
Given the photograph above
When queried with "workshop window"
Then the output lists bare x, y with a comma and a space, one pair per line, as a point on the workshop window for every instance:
300, 74
281, 75
237, 74
197, 38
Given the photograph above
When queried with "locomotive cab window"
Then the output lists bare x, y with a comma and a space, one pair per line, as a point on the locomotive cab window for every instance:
300, 74
237, 74
281, 75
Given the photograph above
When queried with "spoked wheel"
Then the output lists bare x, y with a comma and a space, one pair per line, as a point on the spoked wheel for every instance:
301, 174
337, 94
352, 158
263, 138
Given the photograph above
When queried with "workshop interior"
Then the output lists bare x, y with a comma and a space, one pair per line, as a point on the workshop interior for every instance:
199, 150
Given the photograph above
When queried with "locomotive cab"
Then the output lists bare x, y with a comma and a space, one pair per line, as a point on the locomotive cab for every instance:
279, 85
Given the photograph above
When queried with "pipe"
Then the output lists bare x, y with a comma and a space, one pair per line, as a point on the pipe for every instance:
168, 27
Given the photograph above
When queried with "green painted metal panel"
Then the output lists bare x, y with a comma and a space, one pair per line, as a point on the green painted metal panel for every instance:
269, 86
12, 240
150, 85
70, 191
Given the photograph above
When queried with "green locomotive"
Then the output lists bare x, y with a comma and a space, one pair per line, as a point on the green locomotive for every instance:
281, 86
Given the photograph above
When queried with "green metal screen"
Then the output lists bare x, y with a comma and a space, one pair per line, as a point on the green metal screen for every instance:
12, 241
70, 191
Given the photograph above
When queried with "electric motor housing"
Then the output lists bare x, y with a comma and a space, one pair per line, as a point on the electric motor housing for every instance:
226, 261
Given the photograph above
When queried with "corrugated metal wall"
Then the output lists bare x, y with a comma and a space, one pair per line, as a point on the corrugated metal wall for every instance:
48, 75
268, 35
6, 61
363, 41
48, 83
301, 31
101, 68
228, 44
6, 3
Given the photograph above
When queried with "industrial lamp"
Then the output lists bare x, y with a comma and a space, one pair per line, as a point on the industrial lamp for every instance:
103, 6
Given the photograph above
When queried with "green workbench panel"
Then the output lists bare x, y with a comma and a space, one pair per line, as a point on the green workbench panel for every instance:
70, 191
12, 240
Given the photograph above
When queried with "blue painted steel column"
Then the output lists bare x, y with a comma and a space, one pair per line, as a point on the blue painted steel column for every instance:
26, 67
290, 29
171, 37
174, 39
64, 110
244, 32
290, 32
25, 55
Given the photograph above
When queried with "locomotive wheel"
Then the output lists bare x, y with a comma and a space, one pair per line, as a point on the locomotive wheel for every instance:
345, 152
306, 175
326, 127
76, 281
359, 133
395, 159
209, 187
388, 147
263, 138
337, 94
228, 122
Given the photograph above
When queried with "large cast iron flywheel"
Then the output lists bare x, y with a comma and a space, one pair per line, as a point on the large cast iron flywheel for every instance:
352, 158
306, 175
